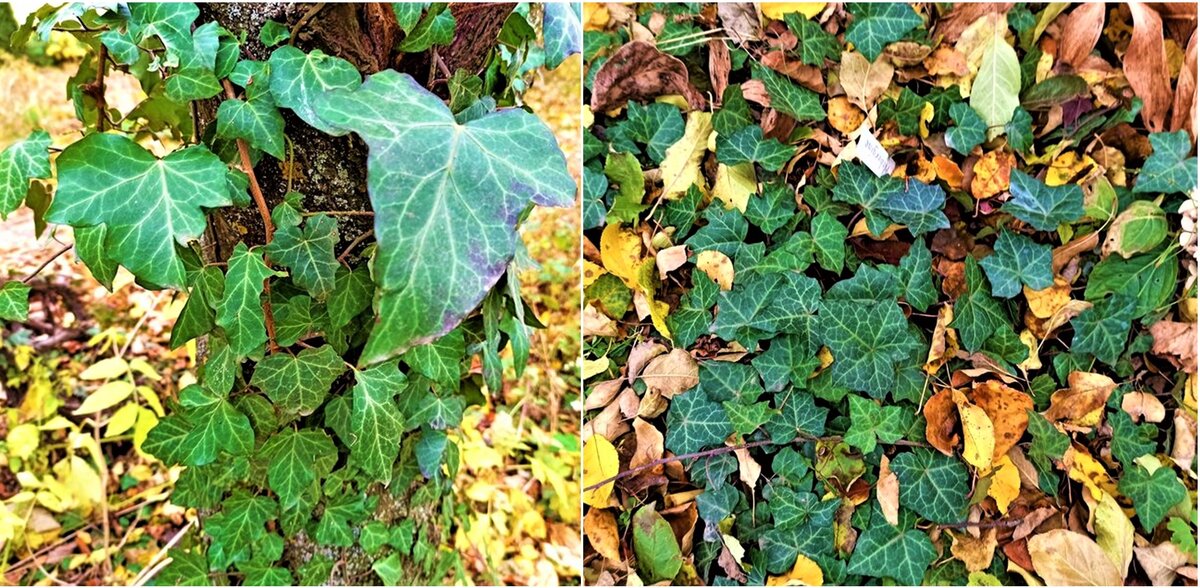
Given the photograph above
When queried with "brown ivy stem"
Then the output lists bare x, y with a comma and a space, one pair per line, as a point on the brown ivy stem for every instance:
1002, 523
728, 449
312, 13
57, 254
355, 243
268, 227
101, 67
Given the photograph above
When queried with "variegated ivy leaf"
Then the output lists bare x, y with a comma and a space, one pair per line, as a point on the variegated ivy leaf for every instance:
563, 35
885, 200
1042, 206
21, 162
297, 78
876, 25
469, 183
148, 205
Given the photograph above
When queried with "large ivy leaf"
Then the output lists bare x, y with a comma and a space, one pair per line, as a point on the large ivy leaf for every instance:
1042, 206
655, 125
240, 311
876, 25
977, 315
884, 551
916, 276
299, 383
911, 203
469, 182
257, 121
695, 422
375, 421
1153, 494
806, 527
1168, 169
14, 301
21, 162
238, 527
213, 425
933, 485
296, 459
199, 313
171, 22
299, 78
1131, 441
1016, 261
308, 253
867, 342
814, 43
147, 204
969, 130
562, 32
1103, 329
799, 103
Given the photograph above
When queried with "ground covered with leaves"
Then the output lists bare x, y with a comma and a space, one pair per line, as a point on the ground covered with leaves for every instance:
890, 293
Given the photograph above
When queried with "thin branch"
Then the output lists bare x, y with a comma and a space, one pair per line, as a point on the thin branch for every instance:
57, 254
1002, 523
268, 227
339, 213
101, 108
312, 12
355, 243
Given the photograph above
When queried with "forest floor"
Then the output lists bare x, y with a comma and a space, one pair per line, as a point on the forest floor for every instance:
521, 471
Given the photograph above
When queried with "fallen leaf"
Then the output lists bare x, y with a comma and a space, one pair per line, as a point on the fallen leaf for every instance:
1047, 301
740, 20
671, 374
1082, 402
805, 572
1183, 449
962, 15
809, 76
887, 491
719, 65
597, 324
992, 173
1143, 407
1145, 66
776, 10
944, 343
975, 553
1006, 483
978, 434
749, 470
734, 185
639, 71
1063, 557
600, 527
1032, 521
1080, 33
1161, 561
680, 168
941, 420
1114, 532
1007, 408
730, 558
717, 266
1176, 341
863, 81
600, 462
621, 253
649, 446
1183, 113
844, 116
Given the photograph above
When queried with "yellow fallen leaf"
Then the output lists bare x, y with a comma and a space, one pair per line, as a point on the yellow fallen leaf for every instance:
1032, 361
806, 572
978, 433
975, 553
621, 253
776, 10
993, 172
595, 16
1082, 403
1067, 558
734, 185
23, 440
1006, 483
844, 116
591, 272
600, 462
1067, 167
600, 526
1114, 532
680, 168
592, 367
1086, 470
717, 266
926, 117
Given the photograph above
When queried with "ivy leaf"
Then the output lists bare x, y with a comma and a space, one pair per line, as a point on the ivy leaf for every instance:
877, 25
440, 360
147, 204
969, 130
21, 162
257, 121
814, 43
799, 415
723, 380
725, 231
916, 276
510, 156
910, 203
1042, 206
1103, 329
273, 33
298, 78
884, 551
308, 253
694, 422
14, 301
870, 421
199, 312
799, 103
240, 311
352, 293
1020, 131
748, 146
655, 125
375, 421
1131, 441
829, 237
808, 530
296, 318
430, 447
1017, 260
296, 459
435, 28
562, 33
976, 314
867, 342
790, 358
1168, 169
933, 485
192, 83
214, 425
240, 524
298, 383
773, 209
1153, 494
170, 22
905, 110
424, 408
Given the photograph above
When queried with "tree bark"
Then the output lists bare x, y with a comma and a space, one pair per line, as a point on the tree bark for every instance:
331, 173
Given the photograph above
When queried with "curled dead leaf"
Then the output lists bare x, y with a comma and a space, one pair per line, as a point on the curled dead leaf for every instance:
1080, 32
1067, 558
639, 71
1177, 342
887, 491
1145, 65
864, 82
941, 421
1082, 402
1143, 406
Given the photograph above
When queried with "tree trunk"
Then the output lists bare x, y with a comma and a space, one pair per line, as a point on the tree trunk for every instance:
331, 173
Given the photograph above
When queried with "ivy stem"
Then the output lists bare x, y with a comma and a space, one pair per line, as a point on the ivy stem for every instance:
101, 68
57, 254
1002, 523
355, 243
268, 227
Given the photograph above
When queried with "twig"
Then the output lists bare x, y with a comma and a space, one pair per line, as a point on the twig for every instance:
101, 67
268, 227
339, 213
102, 463
1002, 523
160, 559
312, 12
355, 243
57, 254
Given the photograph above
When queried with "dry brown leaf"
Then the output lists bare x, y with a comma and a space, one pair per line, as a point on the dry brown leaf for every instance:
1176, 341
600, 527
1009, 410
1063, 557
609, 423
1161, 561
639, 356
601, 394
944, 343
1079, 33
740, 20
719, 65
887, 490
670, 259
1183, 112
953, 24
749, 470
1032, 521
730, 561
639, 71
864, 82
671, 374
941, 421
946, 61
597, 324
1145, 65
649, 446
755, 92
1143, 406
976, 553
992, 173
1183, 450
1083, 401
806, 75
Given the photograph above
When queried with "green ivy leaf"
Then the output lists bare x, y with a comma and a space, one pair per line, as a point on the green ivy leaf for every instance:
807, 529
916, 276
298, 384
561, 31
213, 425
424, 408
436, 28
773, 209
725, 231
188, 567
829, 236
429, 449
798, 416
192, 83
342, 513
1103, 329
977, 315
905, 110
969, 130
875, 26
91, 249
1153, 494
1149, 279
1129, 440
14, 301
296, 318
240, 311
170, 22
1168, 169
655, 125
867, 343
273, 33
747, 418
238, 527
352, 294
913, 204
790, 358
298, 78
1017, 260
296, 459
932, 485
654, 543
1020, 131
1042, 206
441, 360
510, 156
257, 121
308, 253
815, 45
748, 146
375, 422
147, 204
884, 551
799, 103
870, 421
694, 422
199, 312
21, 162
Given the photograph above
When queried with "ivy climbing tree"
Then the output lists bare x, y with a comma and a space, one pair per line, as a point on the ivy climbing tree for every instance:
337, 189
